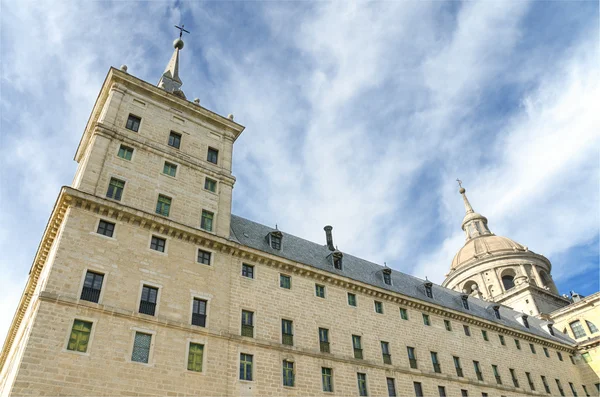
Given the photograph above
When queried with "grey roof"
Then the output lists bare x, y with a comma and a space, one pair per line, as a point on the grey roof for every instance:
254, 235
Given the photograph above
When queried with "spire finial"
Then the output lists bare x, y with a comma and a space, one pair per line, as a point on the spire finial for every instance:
170, 80
181, 30
462, 191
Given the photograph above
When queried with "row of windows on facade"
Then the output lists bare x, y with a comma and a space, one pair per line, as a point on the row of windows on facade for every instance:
134, 122
81, 332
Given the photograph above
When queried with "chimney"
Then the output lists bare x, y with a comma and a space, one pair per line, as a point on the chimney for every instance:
329, 237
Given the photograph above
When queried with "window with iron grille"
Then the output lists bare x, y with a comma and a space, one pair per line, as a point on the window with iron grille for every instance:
459, 371
577, 329
378, 307
426, 319
351, 299
327, 378
436, 363
80, 336
591, 326
465, 302
148, 300
115, 189
125, 152
106, 228
210, 185
288, 373
478, 370
275, 241
560, 389
195, 356
391, 385
246, 366
247, 270
496, 374
358, 353
92, 285
418, 389
320, 290
545, 383
514, 377
532, 348
559, 356
158, 244
204, 257
170, 169
467, 330
412, 358
174, 139
447, 325
502, 341
442, 391
324, 340
285, 281
518, 344
484, 335
133, 123
206, 222
403, 314
163, 205
362, 384
497, 312
287, 332
464, 393
199, 312
530, 381
248, 323
141, 347
546, 352
385, 351
212, 155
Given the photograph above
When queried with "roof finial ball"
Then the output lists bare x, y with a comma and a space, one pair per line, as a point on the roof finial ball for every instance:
178, 43
462, 189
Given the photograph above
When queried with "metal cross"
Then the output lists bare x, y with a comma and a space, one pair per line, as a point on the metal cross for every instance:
459, 182
181, 30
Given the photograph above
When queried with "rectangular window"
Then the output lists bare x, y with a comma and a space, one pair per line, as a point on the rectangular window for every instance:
403, 314
204, 257
448, 325
141, 347
275, 241
577, 329
428, 290
436, 363
378, 307
327, 378
459, 371
125, 152
210, 185
337, 262
212, 155
148, 300
247, 270
245, 366
465, 302
92, 285
585, 391
391, 385
572, 359
464, 393
358, 353
514, 377
546, 353
559, 356
418, 389
385, 351
442, 391
497, 312
158, 244
320, 290
163, 205
206, 222
426, 319
133, 123
560, 389
324, 340
484, 335
248, 323
478, 370
483, 394
175, 139
362, 384
285, 281
545, 383
387, 278
412, 358
467, 330
80, 336
518, 344
195, 357
530, 381
532, 348
496, 374
170, 169
351, 299
287, 332
106, 228
502, 341
199, 312
288, 373
115, 189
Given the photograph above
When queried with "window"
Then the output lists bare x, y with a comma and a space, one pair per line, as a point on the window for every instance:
391, 385
442, 391
560, 389
92, 285
497, 312
288, 373
496, 374
351, 299
573, 389
467, 330
174, 139
483, 394
559, 356
199, 312
212, 156
195, 357
163, 205
125, 152
586, 357
514, 377
158, 244
170, 169
448, 325
337, 261
428, 290
362, 384
464, 393
320, 290
357, 347
285, 281
141, 347
572, 359
577, 329
436, 363
247, 323
115, 189
133, 123
106, 228
385, 351
518, 344
324, 340
204, 257
412, 358
210, 185
378, 307
591, 326
287, 332
530, 381
532, 348
551, 329
545, 383
426, 319
403, 314
585, 391
525, 321
502, 341
387, 278
327, 378
478, 370
465, 301
484, 335
247, 270
245, 366
80, 336
418, 389
275, 240
459, 371
148, 300
546, 352
206, 222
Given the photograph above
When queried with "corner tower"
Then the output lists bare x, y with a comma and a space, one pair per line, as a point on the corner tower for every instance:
498, 269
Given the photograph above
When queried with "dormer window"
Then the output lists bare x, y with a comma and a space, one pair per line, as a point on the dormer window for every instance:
525, 322
465, 301
497, 312
428, 289
275, 239
387, 276
336, 257
551, 329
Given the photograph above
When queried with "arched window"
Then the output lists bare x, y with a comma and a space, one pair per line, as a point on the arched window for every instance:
591, 326
470, 287
508, 281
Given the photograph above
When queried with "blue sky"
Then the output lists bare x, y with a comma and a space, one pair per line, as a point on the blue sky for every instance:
359, 115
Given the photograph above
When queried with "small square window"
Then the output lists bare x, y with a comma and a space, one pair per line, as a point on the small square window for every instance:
125, 152
210, 185
378, 307
247, 270
106, 228
195, 357
163, 205
133, 123
204, 257
115, 189
206, 222
403, 314
170, 169
174, 139
351, 299
158, 244
213, 155
285, 281
80, 336
320, 290
426, 319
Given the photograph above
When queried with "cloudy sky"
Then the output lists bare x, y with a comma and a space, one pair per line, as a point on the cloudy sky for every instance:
359, 115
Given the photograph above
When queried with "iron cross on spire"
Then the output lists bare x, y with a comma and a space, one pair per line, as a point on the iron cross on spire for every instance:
181, 30
459, 182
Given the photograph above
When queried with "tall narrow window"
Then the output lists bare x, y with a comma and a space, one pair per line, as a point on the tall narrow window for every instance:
391, 385
320, 290
465, 301
247, 323
577, 329
530, 381
428, 290
362, 384
496, 374
385, 351
403, 314
247, 270
525, 321
133, 123
199, 312
337, 261
141, 347
572, 387
115, 189
378, 307
532, 348
125, 152
436, 363
170, 169
497, 312
545, 383
285, 281
213, 155
442, 391
546, 353
467, 330
358, 353
210, 185
204, 257
426, 319
206, 222
518, 344
80, 336
158, 244
195, 356
459, 371
418, 389
502, 341
287, 332
106, 228
478, 370
245, 366
559, 356
484, 335
148, 300
551, 329
560, 389
92, 285
275, 239
412, 358
163, 205
513, 375
324, 340
572, 360
174, 139
585, 391
387, 276
447, 325
327, 378
351, 299
288, 373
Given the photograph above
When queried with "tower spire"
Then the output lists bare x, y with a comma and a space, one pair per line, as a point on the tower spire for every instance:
462, 191
474, 224
170, 81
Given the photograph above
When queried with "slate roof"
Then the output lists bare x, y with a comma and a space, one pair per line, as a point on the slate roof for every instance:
254, 235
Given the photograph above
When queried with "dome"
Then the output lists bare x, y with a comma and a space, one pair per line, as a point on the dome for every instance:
484, 247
